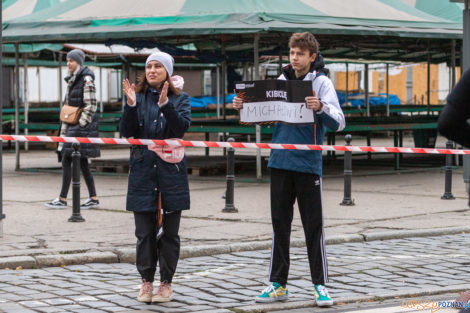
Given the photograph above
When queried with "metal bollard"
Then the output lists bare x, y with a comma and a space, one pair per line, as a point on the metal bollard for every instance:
347, 173
448, 180
76, 216
229, 206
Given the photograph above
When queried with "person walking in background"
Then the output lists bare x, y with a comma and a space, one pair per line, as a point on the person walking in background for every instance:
158, 188
80, 93
296, 175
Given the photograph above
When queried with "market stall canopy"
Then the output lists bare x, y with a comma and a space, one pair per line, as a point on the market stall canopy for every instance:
368, 29
51, 63
444, 9
32, 47
100, 49
17, 8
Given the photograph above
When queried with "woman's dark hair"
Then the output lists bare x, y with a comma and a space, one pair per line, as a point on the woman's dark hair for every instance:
143, 85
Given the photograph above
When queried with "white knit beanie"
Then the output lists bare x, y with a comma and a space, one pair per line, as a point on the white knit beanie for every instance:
164, 58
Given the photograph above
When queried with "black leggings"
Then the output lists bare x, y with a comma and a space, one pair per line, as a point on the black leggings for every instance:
165, 251
67, 176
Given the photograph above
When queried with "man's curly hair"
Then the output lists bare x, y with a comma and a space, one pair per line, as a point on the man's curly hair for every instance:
304, 41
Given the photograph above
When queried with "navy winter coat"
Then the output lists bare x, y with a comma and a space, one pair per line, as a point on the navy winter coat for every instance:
148, 173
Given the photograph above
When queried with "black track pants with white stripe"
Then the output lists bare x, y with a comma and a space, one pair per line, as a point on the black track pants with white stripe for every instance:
286, 187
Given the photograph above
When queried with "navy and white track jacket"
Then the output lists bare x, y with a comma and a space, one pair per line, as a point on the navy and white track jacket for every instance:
330, 116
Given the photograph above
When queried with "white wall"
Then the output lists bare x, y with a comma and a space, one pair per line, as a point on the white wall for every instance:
114, 83
43, 84
444, 81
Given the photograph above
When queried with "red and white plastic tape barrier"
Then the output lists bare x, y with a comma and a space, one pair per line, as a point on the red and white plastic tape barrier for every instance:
216, 144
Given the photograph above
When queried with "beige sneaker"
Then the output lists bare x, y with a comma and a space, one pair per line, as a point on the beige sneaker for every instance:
146, 291
164, 293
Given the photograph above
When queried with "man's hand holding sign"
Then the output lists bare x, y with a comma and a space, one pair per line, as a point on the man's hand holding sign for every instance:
313, 103
276, 101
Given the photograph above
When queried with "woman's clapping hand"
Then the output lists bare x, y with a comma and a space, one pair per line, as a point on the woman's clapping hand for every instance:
129, 90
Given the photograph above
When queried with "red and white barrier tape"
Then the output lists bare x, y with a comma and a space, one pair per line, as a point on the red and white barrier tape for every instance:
216, 144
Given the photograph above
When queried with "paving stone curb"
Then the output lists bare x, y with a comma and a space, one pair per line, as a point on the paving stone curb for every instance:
17, 261
415, 233
127, 255
79, 258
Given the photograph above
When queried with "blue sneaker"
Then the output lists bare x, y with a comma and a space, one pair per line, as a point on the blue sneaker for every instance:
272, 293
322, 297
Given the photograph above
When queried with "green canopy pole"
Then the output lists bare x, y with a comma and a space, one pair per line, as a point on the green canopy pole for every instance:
429, 84
452, 63
388, 91
217, 92
25, 97
38, 74
245, 71
60, 80
120, 84
258, 128
224, 77
347, 84
366, 89
101, 91
16, 84
224, 81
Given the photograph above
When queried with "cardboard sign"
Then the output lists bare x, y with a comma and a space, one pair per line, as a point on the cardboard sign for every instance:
275, 101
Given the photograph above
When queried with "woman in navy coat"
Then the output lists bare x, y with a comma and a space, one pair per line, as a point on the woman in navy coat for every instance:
156, 110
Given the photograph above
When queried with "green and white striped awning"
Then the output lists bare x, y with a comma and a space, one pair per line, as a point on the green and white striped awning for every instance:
17, 8
444, 9
403, 30
98, 20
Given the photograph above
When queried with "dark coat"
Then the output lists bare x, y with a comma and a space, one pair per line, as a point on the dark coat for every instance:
148, 173
453, 122
75, 98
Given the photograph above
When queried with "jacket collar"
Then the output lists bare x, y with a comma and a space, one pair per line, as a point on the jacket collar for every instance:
289, 73
73, 76
154, 91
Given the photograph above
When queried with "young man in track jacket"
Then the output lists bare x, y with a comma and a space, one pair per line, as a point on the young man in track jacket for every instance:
296, 174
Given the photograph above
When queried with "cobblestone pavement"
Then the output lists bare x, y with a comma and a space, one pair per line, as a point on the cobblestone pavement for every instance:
423, 304
358, 272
